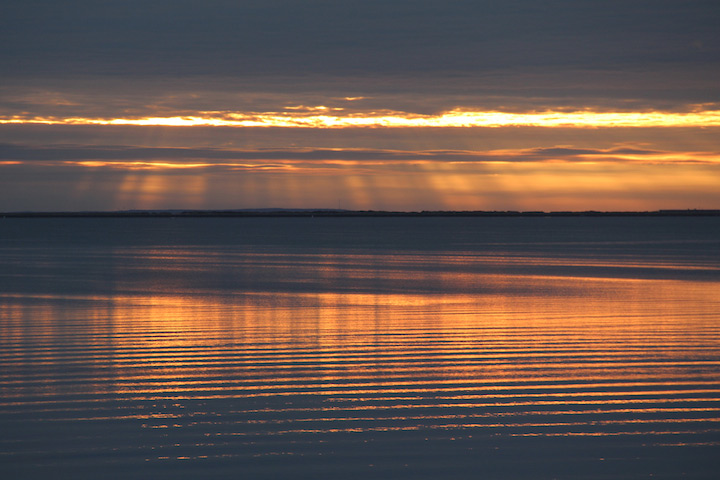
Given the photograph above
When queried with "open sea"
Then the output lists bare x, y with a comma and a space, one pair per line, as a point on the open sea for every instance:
360, 348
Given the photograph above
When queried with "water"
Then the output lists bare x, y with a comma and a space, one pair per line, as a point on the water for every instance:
494, 348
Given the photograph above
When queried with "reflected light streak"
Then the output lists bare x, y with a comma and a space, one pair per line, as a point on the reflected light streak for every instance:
238, 347
309, 118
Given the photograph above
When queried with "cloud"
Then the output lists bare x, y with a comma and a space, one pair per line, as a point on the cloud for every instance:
323, 117
421, 56
419, 36
173, 59
167, 157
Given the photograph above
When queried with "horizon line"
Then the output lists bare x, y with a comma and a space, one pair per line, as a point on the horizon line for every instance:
330, 212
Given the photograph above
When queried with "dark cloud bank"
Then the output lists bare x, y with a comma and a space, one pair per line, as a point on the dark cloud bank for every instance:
666, 50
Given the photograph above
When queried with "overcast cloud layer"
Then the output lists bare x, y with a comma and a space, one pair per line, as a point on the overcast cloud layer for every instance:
664, 50
73, 62
342, 37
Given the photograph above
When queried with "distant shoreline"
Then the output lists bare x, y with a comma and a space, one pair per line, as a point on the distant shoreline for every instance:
349, 213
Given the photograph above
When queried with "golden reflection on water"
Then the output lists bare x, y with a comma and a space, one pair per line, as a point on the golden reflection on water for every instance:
370, 344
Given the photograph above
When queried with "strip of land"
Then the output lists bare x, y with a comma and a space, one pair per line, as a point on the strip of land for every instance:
351, 213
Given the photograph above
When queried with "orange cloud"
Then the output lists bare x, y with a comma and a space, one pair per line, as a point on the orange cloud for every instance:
310, 117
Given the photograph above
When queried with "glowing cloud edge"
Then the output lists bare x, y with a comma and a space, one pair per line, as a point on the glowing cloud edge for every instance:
452, 119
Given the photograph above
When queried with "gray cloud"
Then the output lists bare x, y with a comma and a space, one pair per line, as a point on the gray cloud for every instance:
79, 153
251, 37
443, 53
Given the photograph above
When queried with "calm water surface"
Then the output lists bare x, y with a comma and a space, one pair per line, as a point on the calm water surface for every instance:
493, 348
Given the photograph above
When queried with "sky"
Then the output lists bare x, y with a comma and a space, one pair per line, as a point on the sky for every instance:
368, 105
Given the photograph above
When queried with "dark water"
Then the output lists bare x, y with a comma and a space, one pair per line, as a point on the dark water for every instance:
494, 348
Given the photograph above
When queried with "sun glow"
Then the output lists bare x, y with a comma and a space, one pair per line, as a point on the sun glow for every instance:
311, 118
